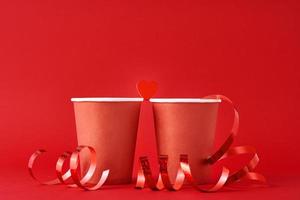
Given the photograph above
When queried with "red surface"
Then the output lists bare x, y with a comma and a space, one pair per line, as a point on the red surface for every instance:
53, 50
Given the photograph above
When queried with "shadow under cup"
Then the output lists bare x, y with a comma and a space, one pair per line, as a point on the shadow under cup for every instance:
110, 126
186, 126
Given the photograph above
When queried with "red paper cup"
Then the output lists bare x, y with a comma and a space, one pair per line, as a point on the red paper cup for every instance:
186, 126
110, 126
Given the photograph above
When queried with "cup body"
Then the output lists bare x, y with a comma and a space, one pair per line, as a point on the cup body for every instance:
109, 125
186, 126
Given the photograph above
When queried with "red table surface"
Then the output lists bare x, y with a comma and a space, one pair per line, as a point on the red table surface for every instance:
21, 186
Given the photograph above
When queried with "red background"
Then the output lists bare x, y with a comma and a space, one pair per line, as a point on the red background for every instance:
51, 51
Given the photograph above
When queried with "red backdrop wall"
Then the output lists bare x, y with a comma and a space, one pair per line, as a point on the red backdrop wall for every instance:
51, 51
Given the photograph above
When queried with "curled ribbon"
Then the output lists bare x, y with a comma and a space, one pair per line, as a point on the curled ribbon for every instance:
184, 172
73, 171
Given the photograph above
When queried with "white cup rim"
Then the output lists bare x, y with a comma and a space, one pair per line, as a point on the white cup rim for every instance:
106, 99
184, 100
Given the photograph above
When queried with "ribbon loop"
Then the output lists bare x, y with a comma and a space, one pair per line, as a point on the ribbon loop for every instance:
73, 171
233, 132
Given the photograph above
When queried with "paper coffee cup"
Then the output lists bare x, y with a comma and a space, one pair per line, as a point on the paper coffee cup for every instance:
110, 126
186, 126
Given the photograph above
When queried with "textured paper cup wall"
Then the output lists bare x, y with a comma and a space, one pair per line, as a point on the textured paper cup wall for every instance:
186, 126
110, 126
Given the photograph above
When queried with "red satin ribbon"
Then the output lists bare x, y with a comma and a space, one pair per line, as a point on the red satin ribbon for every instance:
73, 173
184, 172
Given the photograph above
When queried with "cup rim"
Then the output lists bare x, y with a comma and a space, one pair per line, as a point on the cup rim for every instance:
106, 99
184, 100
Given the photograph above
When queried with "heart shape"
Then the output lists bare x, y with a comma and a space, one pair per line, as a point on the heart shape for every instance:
146, 89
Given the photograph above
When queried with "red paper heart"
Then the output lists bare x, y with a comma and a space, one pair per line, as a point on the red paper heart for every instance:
147, 89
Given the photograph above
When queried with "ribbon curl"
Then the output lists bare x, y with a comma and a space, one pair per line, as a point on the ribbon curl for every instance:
73, 172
